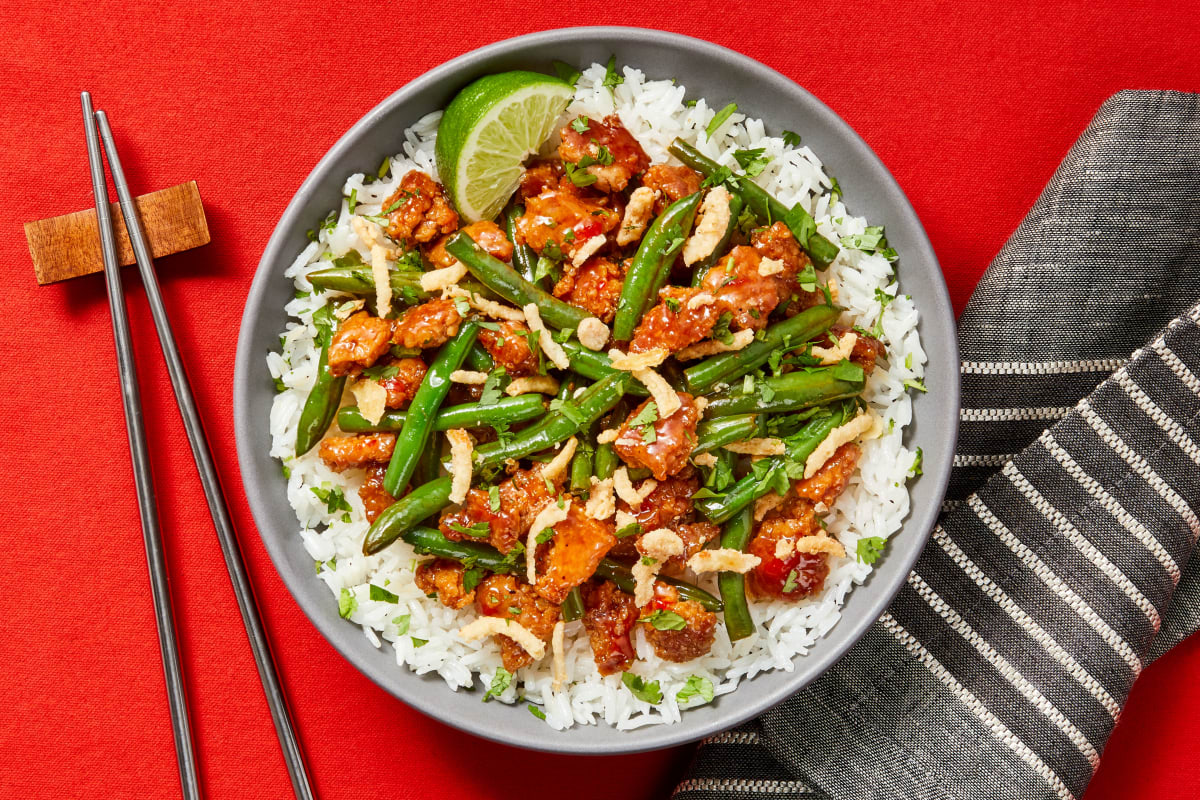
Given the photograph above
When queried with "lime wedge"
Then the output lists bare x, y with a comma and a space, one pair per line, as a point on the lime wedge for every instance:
488, 130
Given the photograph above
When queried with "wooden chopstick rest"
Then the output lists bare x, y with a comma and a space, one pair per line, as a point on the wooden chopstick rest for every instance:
69, 246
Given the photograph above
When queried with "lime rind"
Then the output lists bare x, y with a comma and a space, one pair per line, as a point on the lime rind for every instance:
488, 131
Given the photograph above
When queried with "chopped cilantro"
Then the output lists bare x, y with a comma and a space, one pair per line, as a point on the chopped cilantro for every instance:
545, 536
332, 497
280, 386
672, 304
567, 72
719, 120
790, 138
612, 79
789, 585
493, 387
381, 373
866, 241
835, 188
869, 549
915, 469
912, 383
384, 167
352, 202
537, 712
847, 371
632, 529
419, 642
801, 224
494, 498
500, 683
646, 691
644, 422
383, 595
347, 603
885, 300
719, 176
696, 686
665, 620
579, 175
648, 561
480, 530
471, 577
402, 622
807, 278
322, 319
568, 236
720, 331
753, 162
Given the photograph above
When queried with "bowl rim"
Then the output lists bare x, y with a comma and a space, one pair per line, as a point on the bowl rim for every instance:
817, 661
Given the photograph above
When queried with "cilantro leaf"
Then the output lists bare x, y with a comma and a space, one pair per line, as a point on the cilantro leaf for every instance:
419, 642
789, 585
380, 372
916, 384
644, 422
480, 530
332, 497
869, 549
347, 603
696, 686
632, 529
720, 331
612, 78
866, 241
847, 371
383, 595
352, 201
471, 577
322, 319
545, 536
500, 683
493, 387
915, 469
885, 300
402, 622
790, 138
494, 498
718, 176
753, 162
665, 620
801, 224
537, 712
719, 120
646, 691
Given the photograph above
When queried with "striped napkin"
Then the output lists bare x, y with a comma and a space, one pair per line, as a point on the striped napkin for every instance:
1059, 566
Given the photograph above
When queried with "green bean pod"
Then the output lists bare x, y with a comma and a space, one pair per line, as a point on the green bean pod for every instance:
581, 466
702, 377
800, 447
765, 207
320, 406
652, 263
480, 359
701, 267
715, 433
417, 430
558, 426
605, 461
414, 507
523, 258
504, 281
732, 585
572, 607
621, 575
595, 365
432, 542
506, 410
792, 391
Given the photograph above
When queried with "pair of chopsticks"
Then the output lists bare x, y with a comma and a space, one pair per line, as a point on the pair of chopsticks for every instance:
143, 477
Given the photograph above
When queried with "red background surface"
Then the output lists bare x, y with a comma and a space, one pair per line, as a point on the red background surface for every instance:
972, 105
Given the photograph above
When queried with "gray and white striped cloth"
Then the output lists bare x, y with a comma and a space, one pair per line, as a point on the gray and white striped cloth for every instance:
1060, 565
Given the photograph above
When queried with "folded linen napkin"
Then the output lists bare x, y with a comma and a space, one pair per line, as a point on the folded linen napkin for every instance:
1060, 564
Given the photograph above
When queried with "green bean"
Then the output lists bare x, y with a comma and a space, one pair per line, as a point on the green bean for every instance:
594, 365
581, 466
701, 267
556, 427
417, 430
480, 359
605, 461
732, 585
523, 257
621, 575
652, 263
407, 513
800, 447
429, 466
572, 607
320, 406
504, 281
715, 433
432, 542
765, 207
360, 280
792, 332
792, 391
506, 410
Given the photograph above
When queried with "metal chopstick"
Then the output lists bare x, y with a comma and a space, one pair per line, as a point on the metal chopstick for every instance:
217, 506
143, 477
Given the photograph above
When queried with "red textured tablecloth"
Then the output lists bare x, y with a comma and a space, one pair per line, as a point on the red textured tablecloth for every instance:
971, 105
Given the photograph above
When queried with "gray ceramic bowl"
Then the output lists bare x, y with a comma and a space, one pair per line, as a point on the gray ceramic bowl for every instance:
708, 71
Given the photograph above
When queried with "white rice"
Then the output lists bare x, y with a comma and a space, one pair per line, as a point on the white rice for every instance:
875, 503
